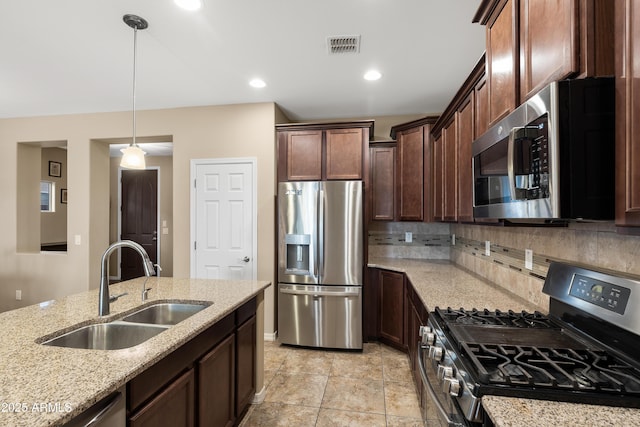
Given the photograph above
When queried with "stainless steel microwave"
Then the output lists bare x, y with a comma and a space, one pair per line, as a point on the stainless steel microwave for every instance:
551, 158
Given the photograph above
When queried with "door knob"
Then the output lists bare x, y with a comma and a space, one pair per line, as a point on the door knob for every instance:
246, 259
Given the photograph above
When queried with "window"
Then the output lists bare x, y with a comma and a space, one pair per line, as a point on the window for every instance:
47, 199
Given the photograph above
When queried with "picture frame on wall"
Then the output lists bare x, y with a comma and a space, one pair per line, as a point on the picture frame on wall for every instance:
63, 195
55, 169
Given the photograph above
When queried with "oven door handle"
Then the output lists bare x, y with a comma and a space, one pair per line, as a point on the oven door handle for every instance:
430, 390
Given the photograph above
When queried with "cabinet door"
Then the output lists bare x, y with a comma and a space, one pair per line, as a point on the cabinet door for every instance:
409, 184
246, 365
304, 155
438, 178
502, 60
392, 308
465, 168
450, 187
216, 385
383, 181
481, 110
627, 46
549, 43
344, 153
173, 407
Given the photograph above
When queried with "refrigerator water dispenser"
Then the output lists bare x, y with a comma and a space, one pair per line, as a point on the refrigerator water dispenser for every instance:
297, 253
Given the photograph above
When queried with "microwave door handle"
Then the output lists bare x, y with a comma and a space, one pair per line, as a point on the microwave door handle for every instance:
510, 163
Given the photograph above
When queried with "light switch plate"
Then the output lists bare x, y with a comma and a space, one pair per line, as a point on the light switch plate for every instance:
528, 259
18, 295
77, 239
487, 248
165, 230
453, 240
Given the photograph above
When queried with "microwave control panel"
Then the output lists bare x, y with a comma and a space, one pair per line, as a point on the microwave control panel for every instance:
532, 161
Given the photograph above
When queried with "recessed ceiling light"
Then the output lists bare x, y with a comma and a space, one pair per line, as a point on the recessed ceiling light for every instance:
372, 75
257, 83
189, 4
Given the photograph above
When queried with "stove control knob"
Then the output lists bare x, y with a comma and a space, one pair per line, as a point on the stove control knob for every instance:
453, 386
427, 335
435, 353
445, 372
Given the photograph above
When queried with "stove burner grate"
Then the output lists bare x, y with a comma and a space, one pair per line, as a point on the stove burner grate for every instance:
558, 369
521, 319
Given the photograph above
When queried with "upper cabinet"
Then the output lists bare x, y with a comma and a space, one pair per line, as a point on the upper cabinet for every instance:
627, 65
413, 170
463, 120
383, 181
323, 151
531, 43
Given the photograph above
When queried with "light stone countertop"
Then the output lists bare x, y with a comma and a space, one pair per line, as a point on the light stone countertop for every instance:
443, 284
66, 381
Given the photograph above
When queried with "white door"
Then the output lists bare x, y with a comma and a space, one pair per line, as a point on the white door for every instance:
224, 220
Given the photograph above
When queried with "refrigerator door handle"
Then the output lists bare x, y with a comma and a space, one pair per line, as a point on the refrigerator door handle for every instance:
320, 240
288, 291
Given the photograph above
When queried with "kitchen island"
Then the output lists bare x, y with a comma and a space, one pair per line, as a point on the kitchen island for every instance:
444, 284
45, 385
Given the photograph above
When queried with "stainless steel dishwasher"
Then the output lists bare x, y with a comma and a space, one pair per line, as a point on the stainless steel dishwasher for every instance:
108, 412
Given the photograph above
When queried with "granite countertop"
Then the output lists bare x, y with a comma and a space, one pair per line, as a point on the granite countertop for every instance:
45, 385
443, 284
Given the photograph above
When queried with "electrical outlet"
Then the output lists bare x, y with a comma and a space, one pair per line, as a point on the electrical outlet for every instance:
18, 295
528, 259
487, 248
408, 237
77, 239
453, 240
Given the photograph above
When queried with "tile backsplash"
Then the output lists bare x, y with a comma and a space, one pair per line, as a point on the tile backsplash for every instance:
429, 240
594, 244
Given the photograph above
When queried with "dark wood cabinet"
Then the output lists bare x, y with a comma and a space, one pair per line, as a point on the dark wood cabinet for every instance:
502, 60
391, 300
531, 43
465, 136
304, 155
450, 171
549, 41
410, 178
481, 106
246, 364
413, 186
174, 406
627, 67
383, 180
416, 315
344, 149
438, 177
323, 151
216, 385
208, 381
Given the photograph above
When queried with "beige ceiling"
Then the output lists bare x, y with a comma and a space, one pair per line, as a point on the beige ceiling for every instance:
76, 56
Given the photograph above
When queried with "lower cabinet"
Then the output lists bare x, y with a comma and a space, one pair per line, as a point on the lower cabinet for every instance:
208, 381
216, 385
391, 318
174, 406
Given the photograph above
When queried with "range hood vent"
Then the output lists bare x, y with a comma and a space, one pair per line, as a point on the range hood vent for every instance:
343, 44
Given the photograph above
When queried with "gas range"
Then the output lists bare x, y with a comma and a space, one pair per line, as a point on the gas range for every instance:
585, 350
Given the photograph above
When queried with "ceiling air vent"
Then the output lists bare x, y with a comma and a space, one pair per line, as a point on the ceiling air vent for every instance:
343, 44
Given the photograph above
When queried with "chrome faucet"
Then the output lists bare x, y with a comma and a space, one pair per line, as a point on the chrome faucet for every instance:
104, 300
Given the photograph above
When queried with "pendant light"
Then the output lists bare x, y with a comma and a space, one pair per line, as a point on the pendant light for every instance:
133, 156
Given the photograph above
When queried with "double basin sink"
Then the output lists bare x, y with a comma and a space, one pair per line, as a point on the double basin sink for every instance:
129, 331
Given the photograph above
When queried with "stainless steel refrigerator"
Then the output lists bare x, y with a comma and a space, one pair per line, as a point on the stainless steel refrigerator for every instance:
320, 263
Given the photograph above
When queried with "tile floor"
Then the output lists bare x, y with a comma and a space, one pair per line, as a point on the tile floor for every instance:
307, 387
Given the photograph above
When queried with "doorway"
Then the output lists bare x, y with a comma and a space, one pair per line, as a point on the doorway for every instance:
138, 219
224, 219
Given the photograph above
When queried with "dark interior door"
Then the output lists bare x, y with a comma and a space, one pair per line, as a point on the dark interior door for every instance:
139, 220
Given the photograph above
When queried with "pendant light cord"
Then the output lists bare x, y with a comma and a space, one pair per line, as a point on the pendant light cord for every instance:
135, 44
